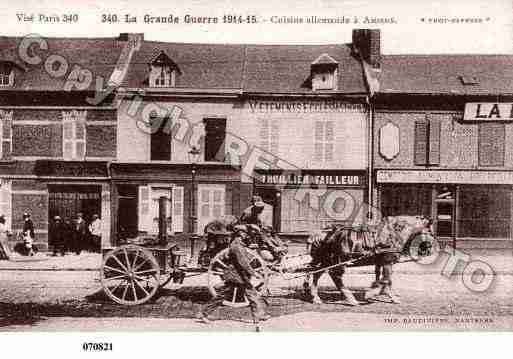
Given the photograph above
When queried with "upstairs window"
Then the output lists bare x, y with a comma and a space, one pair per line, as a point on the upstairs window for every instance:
324, 73
491, 144
427, 142
6, 75
160, 138
270, 135
162, 76
5, 134
163, 71
74, 135
215, 135
324, 141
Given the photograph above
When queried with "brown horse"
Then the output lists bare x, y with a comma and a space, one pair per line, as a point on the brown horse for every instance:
383, 246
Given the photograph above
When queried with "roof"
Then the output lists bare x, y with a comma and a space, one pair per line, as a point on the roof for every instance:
252, 68
442, 74
98, 55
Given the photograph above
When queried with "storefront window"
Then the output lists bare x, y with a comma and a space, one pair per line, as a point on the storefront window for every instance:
484, 212
410, 200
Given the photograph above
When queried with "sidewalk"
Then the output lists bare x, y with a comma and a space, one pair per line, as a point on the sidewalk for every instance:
45, 262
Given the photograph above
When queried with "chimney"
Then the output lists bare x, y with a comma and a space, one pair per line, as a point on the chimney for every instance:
367, 43
125, 36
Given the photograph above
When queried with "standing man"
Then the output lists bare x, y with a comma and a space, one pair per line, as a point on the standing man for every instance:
237, 275
95, 228
80, 233
57, 236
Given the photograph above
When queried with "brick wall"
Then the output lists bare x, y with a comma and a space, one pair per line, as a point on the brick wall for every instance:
458, 141
45, 139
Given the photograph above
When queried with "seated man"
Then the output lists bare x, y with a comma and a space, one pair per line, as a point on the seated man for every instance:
253, 214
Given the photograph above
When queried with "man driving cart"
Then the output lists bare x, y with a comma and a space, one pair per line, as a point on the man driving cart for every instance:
271, 247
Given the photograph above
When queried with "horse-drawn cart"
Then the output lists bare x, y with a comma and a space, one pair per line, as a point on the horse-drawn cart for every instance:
133, 273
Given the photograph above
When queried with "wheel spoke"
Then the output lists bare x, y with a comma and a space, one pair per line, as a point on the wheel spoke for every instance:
135, 259
125, 291
140, 286
234, 297
113, 269
119, 262
117, 286
116, 277
126, 258
139, 265
146, 271
215, 272
221, 263
134, 291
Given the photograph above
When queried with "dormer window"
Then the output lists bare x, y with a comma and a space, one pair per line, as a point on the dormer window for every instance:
163, 71
6, 75
324, 73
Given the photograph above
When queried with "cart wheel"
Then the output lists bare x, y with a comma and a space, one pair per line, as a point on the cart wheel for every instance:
130, 275
234, 297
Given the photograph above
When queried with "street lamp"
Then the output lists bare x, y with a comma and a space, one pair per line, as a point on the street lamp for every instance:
194, 156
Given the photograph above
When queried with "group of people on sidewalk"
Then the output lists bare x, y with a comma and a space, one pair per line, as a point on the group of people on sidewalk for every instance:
75, 235
63, 236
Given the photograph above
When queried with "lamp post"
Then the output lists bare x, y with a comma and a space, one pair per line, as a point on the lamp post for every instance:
194, 154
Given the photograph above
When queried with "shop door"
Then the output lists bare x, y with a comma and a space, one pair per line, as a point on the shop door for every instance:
271, 214
211, 204
68, 201
444, 211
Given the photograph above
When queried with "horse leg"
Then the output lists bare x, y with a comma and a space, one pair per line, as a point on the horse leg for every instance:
377, 273
347, 295
386, 289
307, 286
314, 289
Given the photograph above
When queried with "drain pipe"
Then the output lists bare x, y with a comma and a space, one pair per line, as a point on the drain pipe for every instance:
370, 156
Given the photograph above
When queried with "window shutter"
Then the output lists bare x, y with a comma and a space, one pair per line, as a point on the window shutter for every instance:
434, 142
177, 209
144, 209
6, 129
491, 144
318, 141
329, 141
67, 140
274, 137
5, 202
264, 134
420, 143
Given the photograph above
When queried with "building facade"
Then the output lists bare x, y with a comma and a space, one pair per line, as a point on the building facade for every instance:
109, 126
442, 143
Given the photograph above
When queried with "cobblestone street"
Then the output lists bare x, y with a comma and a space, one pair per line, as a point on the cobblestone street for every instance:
45, 298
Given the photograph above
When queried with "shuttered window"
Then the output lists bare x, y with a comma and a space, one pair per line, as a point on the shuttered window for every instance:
324, 141
211, 204
491, 144
269, 135
177, 209
144, 223
74, 135
434, 141
420, 143
427, 142
5, 202
5, 134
